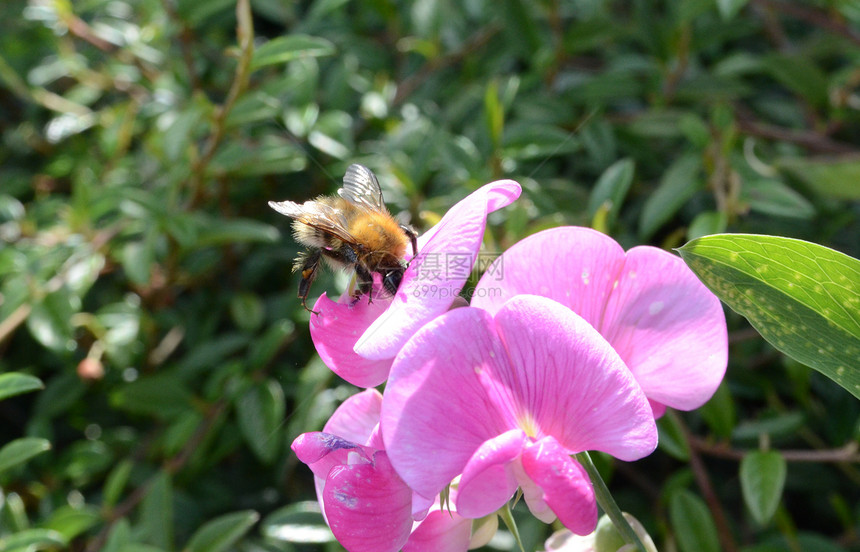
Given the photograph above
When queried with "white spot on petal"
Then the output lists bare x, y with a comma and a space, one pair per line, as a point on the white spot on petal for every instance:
655, 307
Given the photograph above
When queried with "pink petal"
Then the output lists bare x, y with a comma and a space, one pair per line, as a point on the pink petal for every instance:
337, 328
488, 479
451, 246
323, 451
566, 487
357, 417
575, 266
368, 506
569, 382
669, 329
435, 410
441, 531
537, 367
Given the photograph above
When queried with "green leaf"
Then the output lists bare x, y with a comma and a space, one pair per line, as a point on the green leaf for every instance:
247, 311
263, 349
611, 189
156, 512
21, 450
32, 539
260, 411
494, 113
773, 197
720, 413
730, 8
230, 231
671, 438
71, 522
680, 181
222, 532
301, 522
803, 298
116, 482
692, 523
762, 481
800, 75
706, 223
50, 320
15, 383
162, 395
831, 177
290, 47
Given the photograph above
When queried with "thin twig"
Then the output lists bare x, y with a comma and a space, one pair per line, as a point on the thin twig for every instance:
813, 16
848, 453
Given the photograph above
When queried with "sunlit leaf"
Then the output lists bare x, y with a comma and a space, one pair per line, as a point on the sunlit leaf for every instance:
290, 47
21, 450
802, 297
222, 532
14, 383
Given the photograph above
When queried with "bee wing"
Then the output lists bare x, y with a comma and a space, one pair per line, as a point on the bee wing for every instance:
316, 214
361, 188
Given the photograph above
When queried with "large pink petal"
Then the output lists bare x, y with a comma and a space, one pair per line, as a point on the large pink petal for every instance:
575, 266
668, 327
337, 328
566, 487
368, 506
357, 417
434, 279
488, 480
568, 382
435, 410
441, 531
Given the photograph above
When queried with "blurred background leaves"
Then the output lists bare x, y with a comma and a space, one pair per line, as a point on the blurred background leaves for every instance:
146, 284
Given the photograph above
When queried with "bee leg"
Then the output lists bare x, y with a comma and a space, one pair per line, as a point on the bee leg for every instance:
364, 279
308, 263
413, 237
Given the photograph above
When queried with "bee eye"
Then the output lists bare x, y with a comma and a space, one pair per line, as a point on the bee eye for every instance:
391, 280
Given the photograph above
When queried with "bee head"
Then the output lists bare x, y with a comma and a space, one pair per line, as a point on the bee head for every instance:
391, 279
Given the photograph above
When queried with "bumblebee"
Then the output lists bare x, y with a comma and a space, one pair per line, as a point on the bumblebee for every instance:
352, 230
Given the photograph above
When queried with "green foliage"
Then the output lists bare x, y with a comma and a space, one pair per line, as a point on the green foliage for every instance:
144, 280
802, 297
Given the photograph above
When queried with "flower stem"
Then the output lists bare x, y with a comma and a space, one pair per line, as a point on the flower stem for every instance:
508, 517
604, 498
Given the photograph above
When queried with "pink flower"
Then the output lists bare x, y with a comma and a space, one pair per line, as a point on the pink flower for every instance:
359, 341
667, 326
367, 505
505, 400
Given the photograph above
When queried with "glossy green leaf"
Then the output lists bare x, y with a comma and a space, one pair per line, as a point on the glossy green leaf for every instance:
800, 75
611, 189
762, 476
32, 539
720, 413
222, 532
680, 181
301, 522
692, 523
71, 522
50, 320
15, 383
21, 450
290, 47
802, 297
260, 412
